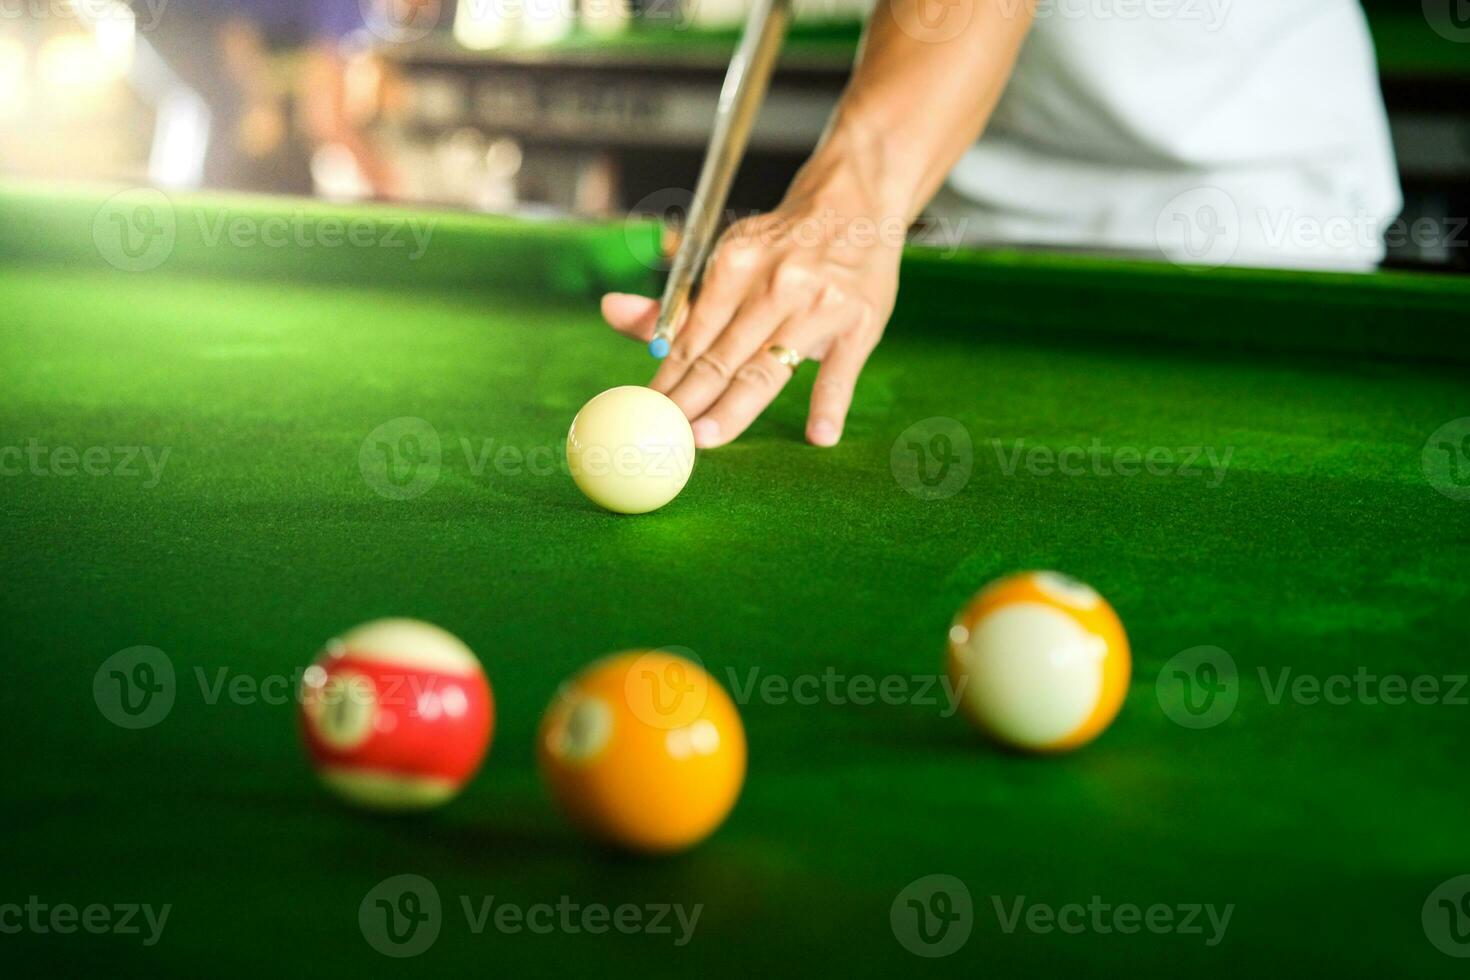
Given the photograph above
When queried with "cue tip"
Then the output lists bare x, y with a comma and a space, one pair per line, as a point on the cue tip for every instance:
659, 347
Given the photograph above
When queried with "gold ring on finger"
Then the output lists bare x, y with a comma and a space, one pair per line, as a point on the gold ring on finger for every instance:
785, 355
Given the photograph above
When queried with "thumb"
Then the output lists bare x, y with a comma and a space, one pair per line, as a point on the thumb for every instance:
632, 315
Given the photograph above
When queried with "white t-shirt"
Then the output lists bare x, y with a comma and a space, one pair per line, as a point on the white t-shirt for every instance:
1209, 131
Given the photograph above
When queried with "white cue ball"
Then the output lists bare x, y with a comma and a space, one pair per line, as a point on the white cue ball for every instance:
631, 450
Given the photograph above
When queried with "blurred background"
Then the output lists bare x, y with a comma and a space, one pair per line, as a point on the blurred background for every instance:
591, 107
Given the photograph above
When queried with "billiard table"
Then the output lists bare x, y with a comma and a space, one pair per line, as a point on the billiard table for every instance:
236, 426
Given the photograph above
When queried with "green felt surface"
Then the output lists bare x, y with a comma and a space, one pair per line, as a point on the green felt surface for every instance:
1322, 550
136, 231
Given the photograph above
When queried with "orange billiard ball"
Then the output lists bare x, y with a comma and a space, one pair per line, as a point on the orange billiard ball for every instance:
396, 715
644, 750
1040, 661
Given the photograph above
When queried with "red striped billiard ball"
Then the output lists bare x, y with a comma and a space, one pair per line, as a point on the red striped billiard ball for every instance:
396, 715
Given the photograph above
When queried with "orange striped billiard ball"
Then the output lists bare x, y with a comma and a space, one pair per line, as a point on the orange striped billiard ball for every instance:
644, 750
1040, 661
396, 715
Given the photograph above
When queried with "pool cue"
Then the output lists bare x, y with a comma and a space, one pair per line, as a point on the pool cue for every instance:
740, 101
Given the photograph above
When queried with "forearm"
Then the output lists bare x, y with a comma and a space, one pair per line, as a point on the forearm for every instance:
920, 94
321, 92
322, 95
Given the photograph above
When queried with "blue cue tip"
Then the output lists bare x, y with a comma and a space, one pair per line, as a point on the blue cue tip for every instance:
659, 348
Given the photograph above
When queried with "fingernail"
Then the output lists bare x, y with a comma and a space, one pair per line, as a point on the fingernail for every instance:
823, 433
706, 431
626, 299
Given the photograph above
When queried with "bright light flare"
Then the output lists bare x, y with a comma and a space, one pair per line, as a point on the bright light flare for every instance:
13, 80
115, 28
70, 62
484, 24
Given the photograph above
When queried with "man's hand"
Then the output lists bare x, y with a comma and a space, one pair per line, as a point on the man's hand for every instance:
817, 277
819, 274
